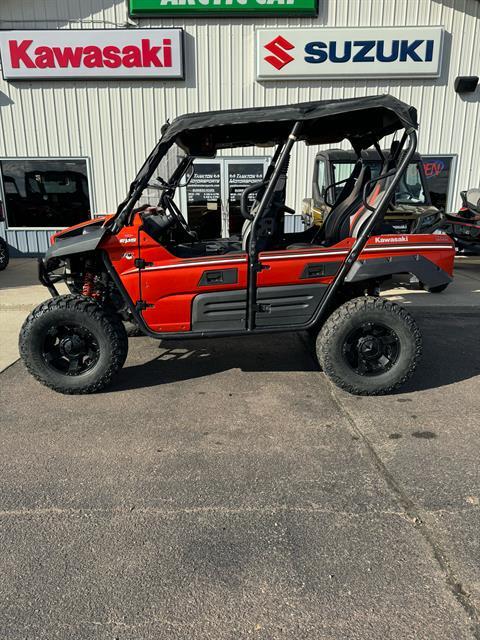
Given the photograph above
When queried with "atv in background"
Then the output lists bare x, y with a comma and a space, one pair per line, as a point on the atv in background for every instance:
464, 227
4, 252
410, 211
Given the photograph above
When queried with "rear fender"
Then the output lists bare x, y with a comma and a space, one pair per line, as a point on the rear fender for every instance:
425, 270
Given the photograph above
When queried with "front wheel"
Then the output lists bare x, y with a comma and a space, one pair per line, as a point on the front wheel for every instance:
369, 346
4, 254
73, 345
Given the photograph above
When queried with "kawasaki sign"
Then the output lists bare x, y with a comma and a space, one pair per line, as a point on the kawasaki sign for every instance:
225, 8
359, 53
92, 53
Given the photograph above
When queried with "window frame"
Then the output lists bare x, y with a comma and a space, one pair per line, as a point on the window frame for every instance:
87, 160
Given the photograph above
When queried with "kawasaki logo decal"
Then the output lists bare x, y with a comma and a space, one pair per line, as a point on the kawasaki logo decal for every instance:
338, 53
81, 53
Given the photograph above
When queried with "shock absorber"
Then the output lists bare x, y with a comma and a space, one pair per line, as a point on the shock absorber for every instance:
90, 286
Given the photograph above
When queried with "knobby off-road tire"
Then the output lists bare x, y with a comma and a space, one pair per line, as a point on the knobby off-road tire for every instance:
4, 254
49, 329
358, 326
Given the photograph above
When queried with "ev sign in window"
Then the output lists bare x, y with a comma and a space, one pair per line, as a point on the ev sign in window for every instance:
349, 53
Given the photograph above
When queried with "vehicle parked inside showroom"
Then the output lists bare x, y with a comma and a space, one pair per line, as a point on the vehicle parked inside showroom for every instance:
4, 251
410, 210
464, 226
146, 265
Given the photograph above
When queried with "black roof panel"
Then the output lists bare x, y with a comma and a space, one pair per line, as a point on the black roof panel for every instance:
360, 120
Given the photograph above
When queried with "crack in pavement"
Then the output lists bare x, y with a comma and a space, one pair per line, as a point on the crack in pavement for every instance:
417, 515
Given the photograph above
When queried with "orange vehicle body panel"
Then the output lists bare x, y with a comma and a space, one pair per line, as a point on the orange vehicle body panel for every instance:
169, 284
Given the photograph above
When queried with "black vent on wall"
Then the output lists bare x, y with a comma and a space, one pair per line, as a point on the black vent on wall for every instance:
466, 84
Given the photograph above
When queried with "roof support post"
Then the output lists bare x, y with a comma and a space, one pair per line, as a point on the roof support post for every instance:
362, 239
253, 264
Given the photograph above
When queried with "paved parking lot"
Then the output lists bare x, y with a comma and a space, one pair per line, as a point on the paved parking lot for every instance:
226, 490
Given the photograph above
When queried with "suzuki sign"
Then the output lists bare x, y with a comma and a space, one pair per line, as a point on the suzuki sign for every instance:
349, 53
92, 53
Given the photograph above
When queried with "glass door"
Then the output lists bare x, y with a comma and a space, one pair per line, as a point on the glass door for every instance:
204, 200
240, 174
211, 201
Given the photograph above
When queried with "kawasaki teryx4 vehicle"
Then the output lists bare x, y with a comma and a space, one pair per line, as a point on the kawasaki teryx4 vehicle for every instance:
146, 265
409, 211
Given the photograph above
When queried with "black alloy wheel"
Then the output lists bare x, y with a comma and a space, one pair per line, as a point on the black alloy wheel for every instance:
70, 349
72, 344
369, 346
371, 349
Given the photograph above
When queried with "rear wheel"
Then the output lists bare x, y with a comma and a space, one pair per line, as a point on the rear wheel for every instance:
369, 346
73, 345
4, 254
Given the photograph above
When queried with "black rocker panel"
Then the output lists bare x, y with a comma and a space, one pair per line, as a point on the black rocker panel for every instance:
286, 305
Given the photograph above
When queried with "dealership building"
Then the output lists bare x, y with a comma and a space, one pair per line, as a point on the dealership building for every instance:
87, 86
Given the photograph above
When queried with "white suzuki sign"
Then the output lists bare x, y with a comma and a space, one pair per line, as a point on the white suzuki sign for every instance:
92, 53
386, 52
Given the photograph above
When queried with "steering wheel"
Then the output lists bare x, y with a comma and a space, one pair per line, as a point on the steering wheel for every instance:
175, 217
245, 207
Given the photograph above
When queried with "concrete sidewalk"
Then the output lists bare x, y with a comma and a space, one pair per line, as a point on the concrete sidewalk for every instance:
20, 292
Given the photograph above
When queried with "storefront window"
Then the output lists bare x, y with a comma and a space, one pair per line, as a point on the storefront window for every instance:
45, 193
439, 171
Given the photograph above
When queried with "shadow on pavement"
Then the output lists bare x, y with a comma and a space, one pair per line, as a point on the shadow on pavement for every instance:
451, 354
189, 359
451, 350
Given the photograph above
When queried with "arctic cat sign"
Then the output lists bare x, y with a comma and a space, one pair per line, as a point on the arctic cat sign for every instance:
349, 53
224, 8
92, 53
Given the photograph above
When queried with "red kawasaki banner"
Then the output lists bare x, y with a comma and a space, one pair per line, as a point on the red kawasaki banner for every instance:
92, 53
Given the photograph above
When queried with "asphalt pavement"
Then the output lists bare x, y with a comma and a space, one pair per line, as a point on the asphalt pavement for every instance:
224, 489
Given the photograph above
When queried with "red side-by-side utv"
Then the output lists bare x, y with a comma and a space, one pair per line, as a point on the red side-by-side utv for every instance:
145, 265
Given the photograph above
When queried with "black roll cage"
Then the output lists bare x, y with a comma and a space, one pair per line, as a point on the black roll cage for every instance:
254, 265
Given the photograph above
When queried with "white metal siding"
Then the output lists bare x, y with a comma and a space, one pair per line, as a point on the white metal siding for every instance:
116, 123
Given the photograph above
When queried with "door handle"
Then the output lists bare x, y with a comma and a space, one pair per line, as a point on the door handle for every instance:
213, 277
219, 276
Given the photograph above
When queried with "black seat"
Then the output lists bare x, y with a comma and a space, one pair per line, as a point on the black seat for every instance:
335, 228
347, 203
